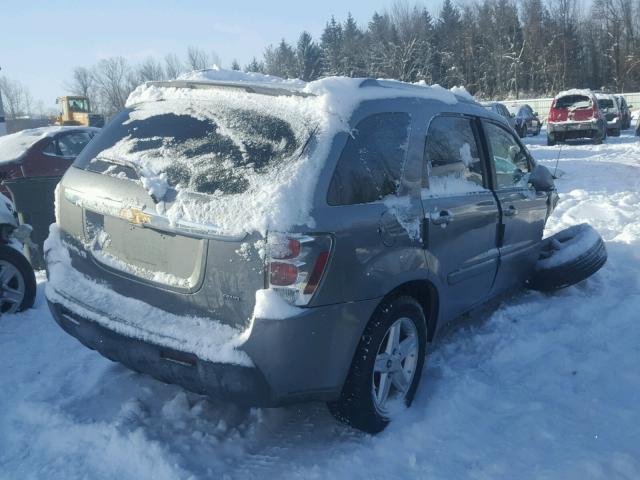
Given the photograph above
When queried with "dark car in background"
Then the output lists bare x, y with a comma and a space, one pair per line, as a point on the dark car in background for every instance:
610, 108
625, 112
575, 114
526, 120
500, 109
423, 205
42, 152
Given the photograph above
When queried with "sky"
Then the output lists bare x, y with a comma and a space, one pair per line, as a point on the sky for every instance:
42, 41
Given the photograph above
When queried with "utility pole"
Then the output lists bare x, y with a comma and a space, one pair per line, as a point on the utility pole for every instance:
3, 123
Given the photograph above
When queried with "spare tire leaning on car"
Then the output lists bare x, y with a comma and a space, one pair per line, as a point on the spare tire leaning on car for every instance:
568, 257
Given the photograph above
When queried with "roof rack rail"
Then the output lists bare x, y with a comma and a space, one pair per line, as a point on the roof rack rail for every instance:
264, 89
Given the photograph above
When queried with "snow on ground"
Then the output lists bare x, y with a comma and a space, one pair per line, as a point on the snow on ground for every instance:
547, 386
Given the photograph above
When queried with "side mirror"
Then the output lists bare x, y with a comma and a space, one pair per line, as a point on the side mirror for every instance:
535, 114
541, 179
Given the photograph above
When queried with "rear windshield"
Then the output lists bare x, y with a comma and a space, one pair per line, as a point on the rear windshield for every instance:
605, 103
201, 148
573, 102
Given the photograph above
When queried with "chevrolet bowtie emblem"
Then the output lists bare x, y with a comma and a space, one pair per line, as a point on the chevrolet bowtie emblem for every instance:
135, 216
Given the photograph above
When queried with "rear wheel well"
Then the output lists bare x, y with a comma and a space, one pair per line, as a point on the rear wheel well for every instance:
427, 295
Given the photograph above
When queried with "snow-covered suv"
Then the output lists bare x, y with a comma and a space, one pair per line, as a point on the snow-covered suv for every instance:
269, 243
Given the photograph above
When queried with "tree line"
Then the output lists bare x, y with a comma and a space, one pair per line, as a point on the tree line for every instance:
495, 48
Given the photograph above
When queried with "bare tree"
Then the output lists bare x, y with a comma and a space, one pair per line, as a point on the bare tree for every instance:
114, 81
198, 59
16, 98
82, 83
173, 66
150, 70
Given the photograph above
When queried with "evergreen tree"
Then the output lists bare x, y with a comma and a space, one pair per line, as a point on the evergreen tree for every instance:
308, 58
331, 47
254, 66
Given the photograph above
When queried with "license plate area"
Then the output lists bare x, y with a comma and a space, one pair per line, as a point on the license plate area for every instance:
147, 254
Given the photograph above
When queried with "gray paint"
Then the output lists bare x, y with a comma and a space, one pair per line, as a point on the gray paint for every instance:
479, 254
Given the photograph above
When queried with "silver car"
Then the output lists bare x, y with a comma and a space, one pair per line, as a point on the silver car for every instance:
271, 244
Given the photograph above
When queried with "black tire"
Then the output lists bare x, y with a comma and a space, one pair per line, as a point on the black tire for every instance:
356, 406
550, 141
558, 268
25, 271
615, 133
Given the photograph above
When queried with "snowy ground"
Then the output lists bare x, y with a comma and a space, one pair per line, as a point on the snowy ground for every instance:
545, 387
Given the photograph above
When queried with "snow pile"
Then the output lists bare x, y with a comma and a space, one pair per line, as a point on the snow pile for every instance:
14, 146
205, 337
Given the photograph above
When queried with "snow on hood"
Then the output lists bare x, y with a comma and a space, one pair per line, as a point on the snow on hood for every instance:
283, 198
14, 146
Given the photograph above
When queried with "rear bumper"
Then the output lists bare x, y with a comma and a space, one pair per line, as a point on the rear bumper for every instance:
227, 381
300, 358
613, 124
570, 130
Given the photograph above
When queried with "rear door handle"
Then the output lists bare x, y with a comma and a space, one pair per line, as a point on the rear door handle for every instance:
444, 217
511, 211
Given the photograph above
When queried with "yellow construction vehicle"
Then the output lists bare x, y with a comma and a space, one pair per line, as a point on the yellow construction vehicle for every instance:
76, 110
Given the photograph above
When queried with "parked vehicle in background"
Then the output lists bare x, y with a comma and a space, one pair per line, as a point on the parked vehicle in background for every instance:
298, 263
609, 107
575, 114
76, 111
526, 120
500, 109
17, 279
625, 112
42, 152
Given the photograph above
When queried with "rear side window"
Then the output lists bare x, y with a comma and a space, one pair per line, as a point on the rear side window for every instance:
370, 166
452, 158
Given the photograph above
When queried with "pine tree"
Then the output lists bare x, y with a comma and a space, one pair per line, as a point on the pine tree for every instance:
308, 58
331, 47
254, 66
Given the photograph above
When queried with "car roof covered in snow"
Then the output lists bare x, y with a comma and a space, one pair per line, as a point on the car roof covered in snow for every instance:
14, 146
342, 93
575, 91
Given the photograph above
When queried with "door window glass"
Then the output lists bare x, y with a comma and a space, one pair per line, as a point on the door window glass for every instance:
51, 149
510, 160
71, 144
370, 166
452, 160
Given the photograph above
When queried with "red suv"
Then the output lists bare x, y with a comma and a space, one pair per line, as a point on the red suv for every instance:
575, 114
41, 152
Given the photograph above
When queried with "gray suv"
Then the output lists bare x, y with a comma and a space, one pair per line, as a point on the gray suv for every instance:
395, 211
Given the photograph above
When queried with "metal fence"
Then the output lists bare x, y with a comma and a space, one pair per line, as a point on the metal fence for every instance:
542, 105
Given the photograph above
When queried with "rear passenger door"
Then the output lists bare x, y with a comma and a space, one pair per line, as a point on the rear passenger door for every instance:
523, 210
461, 213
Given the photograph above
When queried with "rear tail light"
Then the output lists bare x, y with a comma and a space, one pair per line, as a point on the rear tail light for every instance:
297, 264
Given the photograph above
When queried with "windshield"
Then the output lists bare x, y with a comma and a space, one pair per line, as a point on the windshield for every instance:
573, 102
212, 149
79, 105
